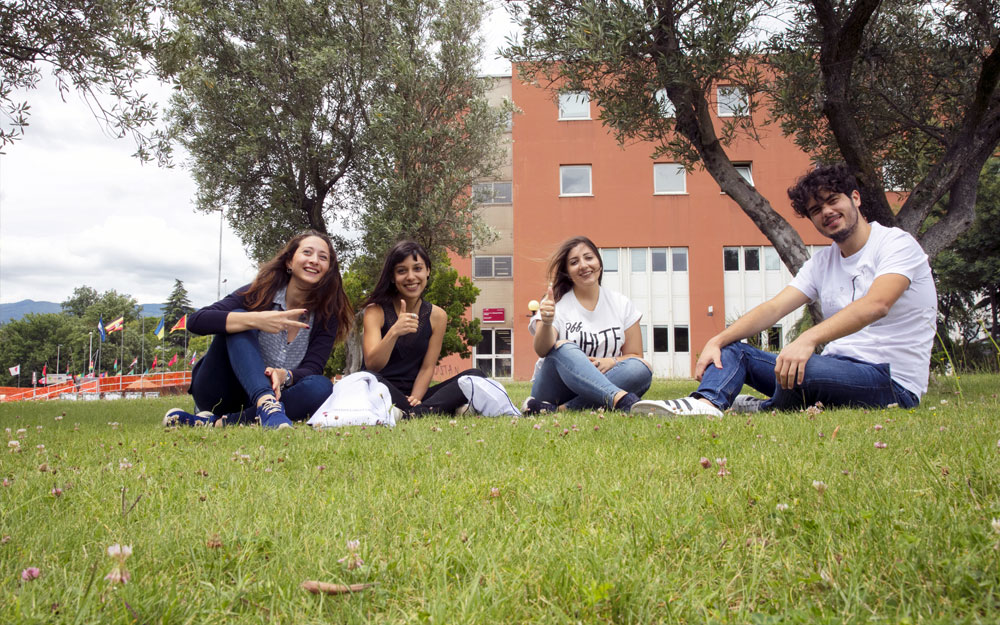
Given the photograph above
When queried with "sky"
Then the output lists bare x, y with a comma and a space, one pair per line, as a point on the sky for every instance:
77, 209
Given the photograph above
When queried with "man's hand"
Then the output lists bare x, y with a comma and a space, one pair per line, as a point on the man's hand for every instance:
711, 355
790, 367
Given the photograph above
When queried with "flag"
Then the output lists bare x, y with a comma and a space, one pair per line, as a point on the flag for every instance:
153, 366
173, 361
135, 361
116, 325
91, 366
116, 364
159, 329
194, 357
15, 370
100, 328
180, 325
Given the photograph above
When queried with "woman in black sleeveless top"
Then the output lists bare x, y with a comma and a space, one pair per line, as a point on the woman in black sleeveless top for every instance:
403, 335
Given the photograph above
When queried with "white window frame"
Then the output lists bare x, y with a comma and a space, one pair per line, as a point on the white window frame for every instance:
568, 100
746, 171
590, 180
492, 184
493, 356
665, 105
725, 103
677, 167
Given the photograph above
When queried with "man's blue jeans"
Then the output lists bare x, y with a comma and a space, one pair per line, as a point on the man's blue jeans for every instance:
833, 380
230, 379
568, 377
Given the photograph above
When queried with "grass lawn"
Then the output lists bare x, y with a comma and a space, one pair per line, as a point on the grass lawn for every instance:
579, 517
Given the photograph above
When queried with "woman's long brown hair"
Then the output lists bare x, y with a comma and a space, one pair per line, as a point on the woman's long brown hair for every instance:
558, 275
327, 300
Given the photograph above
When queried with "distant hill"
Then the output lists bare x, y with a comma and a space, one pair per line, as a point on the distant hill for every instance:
16, 310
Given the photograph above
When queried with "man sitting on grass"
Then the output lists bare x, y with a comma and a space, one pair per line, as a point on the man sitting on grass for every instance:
879, 311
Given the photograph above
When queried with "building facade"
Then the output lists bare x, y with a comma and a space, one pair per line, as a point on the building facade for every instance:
679, 248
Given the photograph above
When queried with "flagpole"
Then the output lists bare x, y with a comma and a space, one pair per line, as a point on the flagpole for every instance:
142, 343
121, 361
90, 361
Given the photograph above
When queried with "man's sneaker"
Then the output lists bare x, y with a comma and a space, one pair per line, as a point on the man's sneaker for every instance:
176, 416
272, 415
746, 403
536, 406
683, 407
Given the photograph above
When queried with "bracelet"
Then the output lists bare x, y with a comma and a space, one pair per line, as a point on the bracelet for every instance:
288, 379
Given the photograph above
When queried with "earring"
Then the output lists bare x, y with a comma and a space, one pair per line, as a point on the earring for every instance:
288, 270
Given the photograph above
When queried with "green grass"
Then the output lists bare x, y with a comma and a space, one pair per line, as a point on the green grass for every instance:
599, 518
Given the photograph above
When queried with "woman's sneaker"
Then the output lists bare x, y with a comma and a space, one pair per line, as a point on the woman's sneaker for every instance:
176, 416
271, 413
683, 407
536, 406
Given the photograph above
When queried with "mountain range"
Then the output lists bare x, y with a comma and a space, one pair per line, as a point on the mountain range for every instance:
16, 310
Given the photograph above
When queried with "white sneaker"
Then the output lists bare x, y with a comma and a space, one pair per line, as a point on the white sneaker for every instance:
683, 407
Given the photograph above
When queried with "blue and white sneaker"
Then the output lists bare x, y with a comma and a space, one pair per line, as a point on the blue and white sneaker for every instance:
176, 416
271, 413
746, 404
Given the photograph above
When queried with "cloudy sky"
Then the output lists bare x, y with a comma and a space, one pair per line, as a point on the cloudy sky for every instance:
77, 209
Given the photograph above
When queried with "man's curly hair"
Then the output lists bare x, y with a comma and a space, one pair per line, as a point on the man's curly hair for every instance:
836, 178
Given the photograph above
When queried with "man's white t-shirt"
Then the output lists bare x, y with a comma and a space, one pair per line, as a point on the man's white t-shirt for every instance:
904, 337
600, 333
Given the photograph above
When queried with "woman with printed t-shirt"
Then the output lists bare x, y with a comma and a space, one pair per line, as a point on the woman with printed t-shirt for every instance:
587, 337
272, 340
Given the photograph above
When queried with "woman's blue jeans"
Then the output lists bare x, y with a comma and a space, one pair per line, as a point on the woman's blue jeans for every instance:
833, 380
230, 379
567, 376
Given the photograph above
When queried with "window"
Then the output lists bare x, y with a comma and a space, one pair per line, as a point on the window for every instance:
732, 101
644, 330
681, 339
492, 192
679, 256
659, 259
493, 354
669, 178
667, 109
771, 260
774, 339
492, 266
509, 121
744, 170
731, 258
574, 180
751, 259
638, 260
574, 105
610, 260
661, 338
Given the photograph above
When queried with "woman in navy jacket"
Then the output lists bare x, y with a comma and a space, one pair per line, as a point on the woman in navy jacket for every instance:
272, 340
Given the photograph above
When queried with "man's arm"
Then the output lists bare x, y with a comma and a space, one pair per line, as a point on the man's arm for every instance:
885, 290
754, 322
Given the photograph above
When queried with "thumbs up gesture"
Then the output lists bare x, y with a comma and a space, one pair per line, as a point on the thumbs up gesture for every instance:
406, 323
547, 307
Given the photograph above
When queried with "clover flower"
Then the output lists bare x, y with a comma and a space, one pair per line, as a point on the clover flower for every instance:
353, 558
995, 523
119, 553
819, 486
30, 573
781, 507
14, 445
494, 492
877, 427
705, 463
880, 445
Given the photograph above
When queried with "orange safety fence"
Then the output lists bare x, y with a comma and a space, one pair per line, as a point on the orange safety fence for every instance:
117, 383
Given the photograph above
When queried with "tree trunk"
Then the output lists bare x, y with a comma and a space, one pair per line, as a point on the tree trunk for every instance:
354, 357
